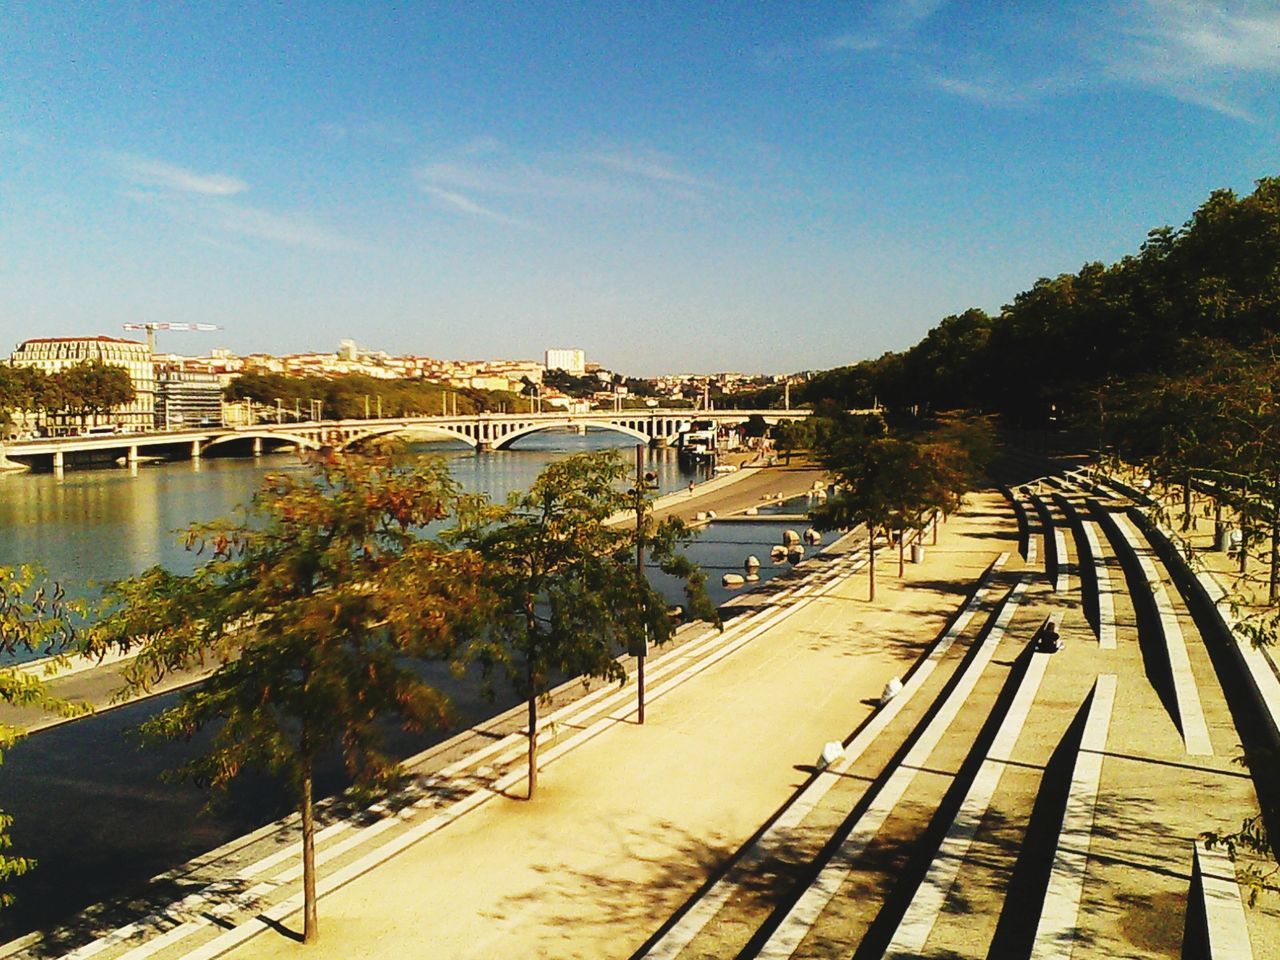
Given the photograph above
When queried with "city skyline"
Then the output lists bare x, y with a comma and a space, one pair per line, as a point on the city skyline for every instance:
670, 188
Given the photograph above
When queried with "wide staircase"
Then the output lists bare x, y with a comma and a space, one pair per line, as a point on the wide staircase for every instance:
1016, 800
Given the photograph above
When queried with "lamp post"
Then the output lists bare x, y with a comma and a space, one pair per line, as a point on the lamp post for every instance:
279, 412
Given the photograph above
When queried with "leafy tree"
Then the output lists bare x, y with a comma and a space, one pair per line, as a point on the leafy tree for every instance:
756, 426
570, 595
792, 435
91, 388
35, 617
21, 389
310, 609
893, 484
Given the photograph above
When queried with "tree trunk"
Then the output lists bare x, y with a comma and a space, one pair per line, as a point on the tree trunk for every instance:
533, 734
1186, 504
902, 550
1273, 588
871, 566
935, 528
310, 927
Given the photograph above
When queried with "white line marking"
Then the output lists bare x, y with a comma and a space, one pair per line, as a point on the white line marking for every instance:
806, 910
1056, 932
917, 923
1102, 577
1223, 907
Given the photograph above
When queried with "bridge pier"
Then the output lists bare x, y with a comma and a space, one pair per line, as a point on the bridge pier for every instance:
484, 446
257, 446
195, 449
131, 455
58, 461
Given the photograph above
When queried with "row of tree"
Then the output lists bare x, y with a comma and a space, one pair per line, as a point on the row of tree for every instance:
353, 397
315, 611
88, 389
894, 481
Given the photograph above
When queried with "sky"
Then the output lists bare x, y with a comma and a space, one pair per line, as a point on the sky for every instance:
671, 186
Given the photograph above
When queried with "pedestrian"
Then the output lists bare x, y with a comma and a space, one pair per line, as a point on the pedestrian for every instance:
691, 488
1050, 641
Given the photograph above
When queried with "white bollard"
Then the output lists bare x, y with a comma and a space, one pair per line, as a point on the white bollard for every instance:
831, 751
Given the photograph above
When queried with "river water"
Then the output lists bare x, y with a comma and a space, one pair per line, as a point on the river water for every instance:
87, 800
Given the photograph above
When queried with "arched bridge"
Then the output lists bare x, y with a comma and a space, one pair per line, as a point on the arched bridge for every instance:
495, 431
485, 431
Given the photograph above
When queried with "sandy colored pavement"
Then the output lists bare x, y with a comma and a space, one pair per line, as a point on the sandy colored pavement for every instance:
627, 827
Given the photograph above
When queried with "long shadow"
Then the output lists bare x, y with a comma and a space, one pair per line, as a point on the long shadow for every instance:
1020, 915
1048, 525
1085, 570
1259, 736
922, 852
807, 872
781, 882
1151, 641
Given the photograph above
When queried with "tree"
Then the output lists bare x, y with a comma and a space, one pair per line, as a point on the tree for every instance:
756, 426
91, 388
310, 608
22, 389
792, 435
36, 618
893, 484
570, 597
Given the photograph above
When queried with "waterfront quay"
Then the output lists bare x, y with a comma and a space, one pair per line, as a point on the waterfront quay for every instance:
1008, 800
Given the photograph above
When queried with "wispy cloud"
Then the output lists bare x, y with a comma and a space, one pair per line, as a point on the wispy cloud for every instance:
651, 166
464, 204
484, 179
888, 24
1211, 55
290, 229
167, 176
205, 204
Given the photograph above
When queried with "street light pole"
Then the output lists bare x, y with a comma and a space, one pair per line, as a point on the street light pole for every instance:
642, 642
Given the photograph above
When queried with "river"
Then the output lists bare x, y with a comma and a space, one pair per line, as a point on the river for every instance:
87, 800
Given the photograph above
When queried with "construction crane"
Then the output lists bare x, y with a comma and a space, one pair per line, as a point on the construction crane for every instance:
151, 329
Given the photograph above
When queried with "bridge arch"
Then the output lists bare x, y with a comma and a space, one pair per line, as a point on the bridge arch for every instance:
302, 441
441, 432
501, 443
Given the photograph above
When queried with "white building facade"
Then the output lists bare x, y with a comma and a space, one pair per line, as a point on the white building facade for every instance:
52, 354
570, 360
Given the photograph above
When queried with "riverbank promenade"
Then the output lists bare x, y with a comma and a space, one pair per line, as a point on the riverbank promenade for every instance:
1009, 802
1015, 796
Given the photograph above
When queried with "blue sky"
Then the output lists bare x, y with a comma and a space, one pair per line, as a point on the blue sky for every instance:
765, 186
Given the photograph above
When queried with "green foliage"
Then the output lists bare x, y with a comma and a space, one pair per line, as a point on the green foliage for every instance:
90, 388
569, 595
344, 398
896, 483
